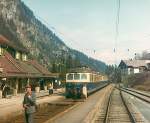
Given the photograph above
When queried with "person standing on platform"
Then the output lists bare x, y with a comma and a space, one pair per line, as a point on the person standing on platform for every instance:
29, 105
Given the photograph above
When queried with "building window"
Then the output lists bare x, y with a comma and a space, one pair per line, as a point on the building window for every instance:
24, 57
70, 77
83, 76
136, 70
1, 51
17, 55
76, 76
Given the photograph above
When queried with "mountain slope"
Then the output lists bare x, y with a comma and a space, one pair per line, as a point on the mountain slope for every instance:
18, 24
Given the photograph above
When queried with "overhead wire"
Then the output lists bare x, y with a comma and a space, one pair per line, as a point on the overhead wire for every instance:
117, 30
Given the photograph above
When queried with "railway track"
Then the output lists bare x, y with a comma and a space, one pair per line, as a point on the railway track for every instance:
142, 96
115, 110
139, 92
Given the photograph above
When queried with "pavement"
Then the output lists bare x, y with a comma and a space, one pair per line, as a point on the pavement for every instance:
13, 106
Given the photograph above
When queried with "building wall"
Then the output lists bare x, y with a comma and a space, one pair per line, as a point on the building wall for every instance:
136, 70
1, 50
128, 71
133, 70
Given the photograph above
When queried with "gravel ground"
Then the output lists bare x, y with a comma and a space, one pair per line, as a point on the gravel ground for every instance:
141, 106
13, 107
45, 111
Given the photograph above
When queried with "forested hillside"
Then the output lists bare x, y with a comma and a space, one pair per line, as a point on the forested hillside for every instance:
18, 24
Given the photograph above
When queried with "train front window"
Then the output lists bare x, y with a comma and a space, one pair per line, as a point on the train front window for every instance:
76, 76
70, 77
83, 76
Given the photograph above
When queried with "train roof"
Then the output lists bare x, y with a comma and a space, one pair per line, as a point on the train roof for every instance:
82, 70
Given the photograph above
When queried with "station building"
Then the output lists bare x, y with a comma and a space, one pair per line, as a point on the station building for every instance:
16, 70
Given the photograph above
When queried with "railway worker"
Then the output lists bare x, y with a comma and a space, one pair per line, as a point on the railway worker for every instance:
29, 104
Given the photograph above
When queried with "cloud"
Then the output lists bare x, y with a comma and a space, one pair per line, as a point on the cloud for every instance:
111, 57
89, 40
89, 26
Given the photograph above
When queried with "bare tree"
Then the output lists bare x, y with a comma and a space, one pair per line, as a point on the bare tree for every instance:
145, 55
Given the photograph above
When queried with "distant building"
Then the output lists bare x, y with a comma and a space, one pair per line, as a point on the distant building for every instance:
16, 70
134, 66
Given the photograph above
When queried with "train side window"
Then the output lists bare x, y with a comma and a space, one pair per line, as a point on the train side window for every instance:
70, 77
83, 76
76, 76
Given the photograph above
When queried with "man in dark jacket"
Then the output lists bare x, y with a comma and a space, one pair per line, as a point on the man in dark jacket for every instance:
29, 104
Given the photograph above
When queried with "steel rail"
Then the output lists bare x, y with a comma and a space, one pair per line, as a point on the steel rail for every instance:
132, 118
137, 92
131, 93
107, 109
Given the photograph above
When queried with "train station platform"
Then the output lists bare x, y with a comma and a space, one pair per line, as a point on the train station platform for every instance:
13, 105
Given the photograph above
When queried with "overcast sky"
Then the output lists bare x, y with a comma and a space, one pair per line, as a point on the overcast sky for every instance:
89, 25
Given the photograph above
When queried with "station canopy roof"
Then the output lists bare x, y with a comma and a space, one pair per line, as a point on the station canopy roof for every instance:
10, 67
